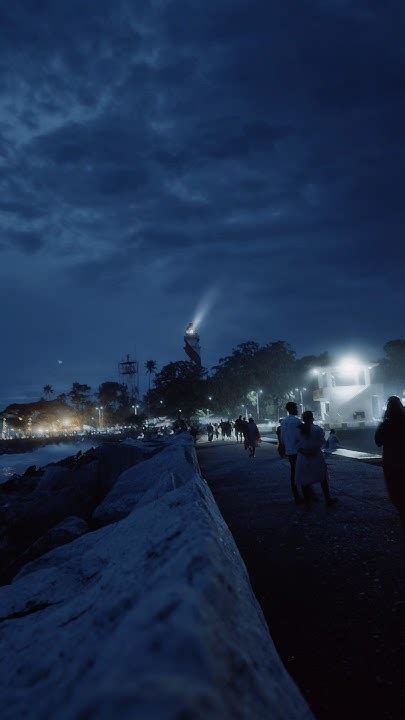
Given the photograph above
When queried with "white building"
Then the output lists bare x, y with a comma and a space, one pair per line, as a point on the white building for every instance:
346, 393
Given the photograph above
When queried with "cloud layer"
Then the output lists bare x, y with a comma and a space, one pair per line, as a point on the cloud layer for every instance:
151, 151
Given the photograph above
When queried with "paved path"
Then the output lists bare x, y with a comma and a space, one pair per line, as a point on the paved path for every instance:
330, 581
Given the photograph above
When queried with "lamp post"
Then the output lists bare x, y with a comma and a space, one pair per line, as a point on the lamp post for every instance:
100, 416
257, 393
300, 391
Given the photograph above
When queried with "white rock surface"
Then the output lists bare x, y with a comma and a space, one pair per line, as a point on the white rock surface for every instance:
147, 481
152, 617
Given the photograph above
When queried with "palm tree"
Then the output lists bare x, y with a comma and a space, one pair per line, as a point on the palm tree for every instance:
150, 366
48, 391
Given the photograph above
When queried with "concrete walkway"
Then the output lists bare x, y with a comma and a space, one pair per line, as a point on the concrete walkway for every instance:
331, 582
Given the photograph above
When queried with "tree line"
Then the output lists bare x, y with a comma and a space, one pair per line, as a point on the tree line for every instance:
253, 378
257, 379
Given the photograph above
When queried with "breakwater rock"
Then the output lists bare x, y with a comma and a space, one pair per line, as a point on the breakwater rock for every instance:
150, 616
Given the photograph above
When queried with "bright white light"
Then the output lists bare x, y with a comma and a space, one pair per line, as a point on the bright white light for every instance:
315, 371
350, 366
205, 306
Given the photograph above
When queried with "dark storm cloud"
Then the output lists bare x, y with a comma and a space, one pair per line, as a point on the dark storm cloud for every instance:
28, 242
150, 149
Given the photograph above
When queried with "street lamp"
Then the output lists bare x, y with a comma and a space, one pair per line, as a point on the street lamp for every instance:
300, 391
100, 416
257, 393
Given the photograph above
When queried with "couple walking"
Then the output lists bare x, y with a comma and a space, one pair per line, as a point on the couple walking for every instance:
302, 442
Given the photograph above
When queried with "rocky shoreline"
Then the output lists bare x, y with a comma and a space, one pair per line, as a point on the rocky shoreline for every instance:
24, 445
146, 611
50, 506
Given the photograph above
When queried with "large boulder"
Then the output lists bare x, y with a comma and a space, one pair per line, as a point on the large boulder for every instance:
146, 482
64, 532
54, 478
115, 458
25, 519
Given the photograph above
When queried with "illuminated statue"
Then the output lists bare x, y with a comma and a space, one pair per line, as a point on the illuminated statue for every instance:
192, 344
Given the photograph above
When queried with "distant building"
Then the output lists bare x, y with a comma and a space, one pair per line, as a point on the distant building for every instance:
192, 344
346, 393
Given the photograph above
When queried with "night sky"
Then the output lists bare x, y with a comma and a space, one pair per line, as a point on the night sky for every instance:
159, 155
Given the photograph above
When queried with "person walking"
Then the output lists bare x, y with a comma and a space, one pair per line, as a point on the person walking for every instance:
210, 432
288, 439
244, 426
311, 467
238, 429
390, 435
252, 437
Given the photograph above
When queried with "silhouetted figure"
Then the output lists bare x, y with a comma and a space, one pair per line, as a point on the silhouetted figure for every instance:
222, 428
210, 432
311, 467
239, 429
193, 432
332, 443
244, 426
252, 437
228, 429
390, 434
216, 431
288, 441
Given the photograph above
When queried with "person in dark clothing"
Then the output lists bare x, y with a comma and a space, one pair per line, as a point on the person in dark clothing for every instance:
239, 429
210, 432
222, 425
245, 426
252, 437
390, 435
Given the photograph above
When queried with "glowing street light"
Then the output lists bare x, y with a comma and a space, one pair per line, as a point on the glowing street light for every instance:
300, 391
100, 416
257, 393
350, 366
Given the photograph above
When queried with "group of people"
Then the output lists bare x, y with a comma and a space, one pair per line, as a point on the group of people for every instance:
246, 431
301, 441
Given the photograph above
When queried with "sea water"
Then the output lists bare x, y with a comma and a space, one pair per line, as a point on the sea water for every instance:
19, 462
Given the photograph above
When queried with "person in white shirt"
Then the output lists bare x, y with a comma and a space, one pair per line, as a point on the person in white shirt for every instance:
311, 467
289, 439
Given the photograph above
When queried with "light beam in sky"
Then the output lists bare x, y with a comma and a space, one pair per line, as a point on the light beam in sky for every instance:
205, 306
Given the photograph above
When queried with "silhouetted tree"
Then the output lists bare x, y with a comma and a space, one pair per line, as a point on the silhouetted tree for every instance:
150, 366
391, 370
114, 398
180, 386
48, 391
79, 396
